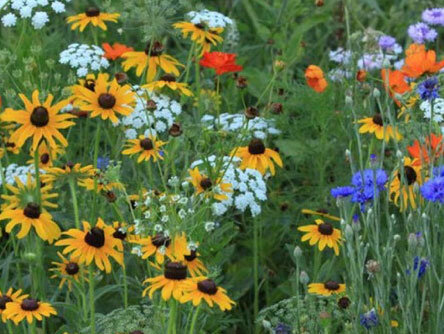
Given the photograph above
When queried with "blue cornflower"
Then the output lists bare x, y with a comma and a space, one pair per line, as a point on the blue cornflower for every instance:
433, 189
339, 192
428, 89
434, 16
386, 42
282, 329
369, 319
420, 265
421, 33
102, 162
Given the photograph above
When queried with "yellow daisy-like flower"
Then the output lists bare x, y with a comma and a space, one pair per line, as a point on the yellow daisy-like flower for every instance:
324, 234
204, 185
9, 297
22, 194
150, 59
95, 243
169, 81
92, 15
39, 121
47, 155
69, 170
31, 216
68, 270
376, 125
171, 282
320, 212
402, 186
102, 185
124, 232
201, 288
107, 98
189, 257
326, 289
201, 34
256, 156
28, 308
147, 147
159, 245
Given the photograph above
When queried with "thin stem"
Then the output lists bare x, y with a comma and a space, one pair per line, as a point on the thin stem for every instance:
125, 286
91, 300
37, 174
172, 317
32, 328
255, 274
193, 321
72, 187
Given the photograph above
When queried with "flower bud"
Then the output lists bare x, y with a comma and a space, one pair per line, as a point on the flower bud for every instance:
348, 232
175, 130
297, 252
303, 278
396, 237
373, 266
412, 240
348, 100
376, 93
251, 112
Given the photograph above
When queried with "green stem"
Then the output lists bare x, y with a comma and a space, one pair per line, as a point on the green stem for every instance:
32, 329
125, 287
37, 174
72, 187
172, 317
91, 300
2, 175
96, 156
255, 274
193, 321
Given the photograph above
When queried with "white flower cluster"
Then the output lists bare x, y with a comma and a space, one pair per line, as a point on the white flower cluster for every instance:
438, 110
249, 188
340, 56
376, 61
212, 19
14, 170
36, 10
85, 58
145, 121
258, 127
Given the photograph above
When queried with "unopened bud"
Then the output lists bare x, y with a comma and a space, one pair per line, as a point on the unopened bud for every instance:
297, 252
412, 240
396, 237
175, 130
151, 105
251, 112
319, 3
373, 266
348, 232
276, 108
348, 100
303, 278
241, 82
376, 93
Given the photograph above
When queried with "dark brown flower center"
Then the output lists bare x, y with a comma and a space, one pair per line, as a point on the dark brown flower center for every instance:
3, 300
29, 304
69, 165
95, 237
90, 84
199, 26
207, 286
175, 271
256, 146
160, 240
155, 50
92, 11
168, 78
119, 234
344, 302
40, 117
32, 210
206, 183
325, 229
72, 268
107, 101
44, 158
151, 105
192, 256
175, 130
146, 144
409, 174
331, 285
377, 119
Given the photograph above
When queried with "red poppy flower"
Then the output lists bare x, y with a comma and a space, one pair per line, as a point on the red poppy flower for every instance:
433, 145
115, 51
221, 62
394, 82
315, 78
418, 61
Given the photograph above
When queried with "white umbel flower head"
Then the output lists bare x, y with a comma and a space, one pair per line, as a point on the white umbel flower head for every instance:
84, 58
212, 19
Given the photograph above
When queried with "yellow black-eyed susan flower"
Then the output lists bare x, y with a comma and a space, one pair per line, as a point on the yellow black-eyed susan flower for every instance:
106, 100
150, 60
376, 125
326, 289
47, 155
257, 156
91, 15
147, 148
402, 185
170, 282
31, 216
324, 234
170, 82
201, 34
210, 188
95, 243
68, 170
39, 120
124, 232
201, 288
190, 257
28, 308
9, 297
68, 270
158, 245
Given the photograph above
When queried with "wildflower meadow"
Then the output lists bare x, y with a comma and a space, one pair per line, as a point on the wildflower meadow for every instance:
223, 166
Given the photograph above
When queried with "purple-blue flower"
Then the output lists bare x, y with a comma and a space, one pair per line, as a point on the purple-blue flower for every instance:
369, 319
434, 16
428, 89
342, 191
433, 190
420, 265
102, 162
421, 33
282, 329
387, 42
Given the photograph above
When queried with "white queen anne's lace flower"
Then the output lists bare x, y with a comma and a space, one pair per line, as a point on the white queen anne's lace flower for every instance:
155, 121
438, 109
212, 19
84, 58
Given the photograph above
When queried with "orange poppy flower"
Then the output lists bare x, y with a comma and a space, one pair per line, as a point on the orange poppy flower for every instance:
433, 145
115, 51
221, 62
361, 75
394, 82
315, 78
418, 61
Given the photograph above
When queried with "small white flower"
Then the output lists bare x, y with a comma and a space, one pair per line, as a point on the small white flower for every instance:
162, 208
58, 7
158, 228
9, 20
39, 20
25, 12
164, 219
209, 226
